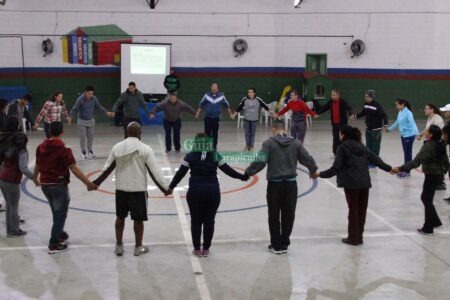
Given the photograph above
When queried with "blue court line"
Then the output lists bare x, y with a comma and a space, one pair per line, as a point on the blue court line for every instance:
25, 190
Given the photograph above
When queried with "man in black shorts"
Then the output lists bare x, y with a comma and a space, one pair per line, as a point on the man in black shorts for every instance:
132, 159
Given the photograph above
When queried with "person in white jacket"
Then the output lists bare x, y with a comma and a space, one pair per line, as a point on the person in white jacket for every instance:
132, 159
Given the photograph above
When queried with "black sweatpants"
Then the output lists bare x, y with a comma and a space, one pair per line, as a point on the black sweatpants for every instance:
281, 202
212, 129
336, 139
429, 188
203, 201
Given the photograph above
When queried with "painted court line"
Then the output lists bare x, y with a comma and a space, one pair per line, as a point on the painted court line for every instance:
227, 241
185, 228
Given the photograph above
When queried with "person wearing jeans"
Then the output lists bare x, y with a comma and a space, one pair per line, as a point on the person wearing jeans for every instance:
251, 106
203, 196
84, 108
435, 163
54, 160
376, 120
298, 118
172, 108
14, 164
212, 103
52, 111
408, 130
282, 153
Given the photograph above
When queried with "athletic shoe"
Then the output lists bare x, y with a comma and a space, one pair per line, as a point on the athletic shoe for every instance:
419, 230
91, 155
273, 250
83, 156
57, 248
197, 252
167, 151
17, 234
177, 151
348, 242
251, 148
63, 238
441, 187
205, 252
284, 249
119, 250
140, 250
246, 148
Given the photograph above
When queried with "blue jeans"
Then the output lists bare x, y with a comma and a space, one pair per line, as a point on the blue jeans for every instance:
58, 198
407, 144
250, 130
176, 125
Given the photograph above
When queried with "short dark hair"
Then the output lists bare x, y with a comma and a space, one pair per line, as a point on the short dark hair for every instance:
337, 91
89, 88
278, 124
132, 83
173, 93
253, 89
27, 97
351, 133
56, 128
295, 92
134, 130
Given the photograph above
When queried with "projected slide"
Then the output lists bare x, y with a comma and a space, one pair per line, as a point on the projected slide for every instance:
147, 60
145, 64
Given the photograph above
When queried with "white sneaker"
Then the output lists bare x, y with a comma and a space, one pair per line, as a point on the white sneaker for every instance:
83, 156
90, 155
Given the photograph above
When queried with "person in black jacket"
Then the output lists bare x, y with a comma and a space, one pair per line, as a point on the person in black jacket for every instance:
376, 121
203, 195
339, 112
350, 166
19, 109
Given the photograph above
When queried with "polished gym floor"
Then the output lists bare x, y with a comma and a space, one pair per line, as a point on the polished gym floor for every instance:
394, 263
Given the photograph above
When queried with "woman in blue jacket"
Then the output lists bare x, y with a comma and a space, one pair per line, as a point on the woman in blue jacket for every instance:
408, 130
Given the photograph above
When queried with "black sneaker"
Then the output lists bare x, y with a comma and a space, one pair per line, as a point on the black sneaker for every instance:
441, 187
57, 248
424, 232
348, 242
63, 238
273, 250
284, 249
17, 234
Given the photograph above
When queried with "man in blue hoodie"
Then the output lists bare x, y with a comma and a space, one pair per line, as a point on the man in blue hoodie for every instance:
212, 103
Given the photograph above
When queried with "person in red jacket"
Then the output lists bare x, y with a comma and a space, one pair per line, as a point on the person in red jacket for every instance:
54, 160
298, 119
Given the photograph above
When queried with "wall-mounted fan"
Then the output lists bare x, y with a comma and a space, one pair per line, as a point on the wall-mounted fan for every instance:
358, 47
240, 46
47, 47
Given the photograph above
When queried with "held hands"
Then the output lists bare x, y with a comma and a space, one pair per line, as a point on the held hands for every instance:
91, 187
352, 117
36, 182
316, 116
111, 114
35, 126
151, 116
69, 120
419, 137
197, 114
395, 170
168, 192
232, 116
314, 175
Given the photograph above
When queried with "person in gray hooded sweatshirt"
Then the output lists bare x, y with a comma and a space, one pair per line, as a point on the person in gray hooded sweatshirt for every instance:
282, 154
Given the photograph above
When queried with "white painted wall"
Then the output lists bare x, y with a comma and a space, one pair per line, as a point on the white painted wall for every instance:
403, 34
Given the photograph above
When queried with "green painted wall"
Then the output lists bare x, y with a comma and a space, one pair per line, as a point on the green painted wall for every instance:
107, 89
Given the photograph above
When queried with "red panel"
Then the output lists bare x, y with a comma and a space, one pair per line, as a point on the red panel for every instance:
107, 50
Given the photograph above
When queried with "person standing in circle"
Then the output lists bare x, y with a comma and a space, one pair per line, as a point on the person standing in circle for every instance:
203, 196
376, 120
84, 108
408, 131
52, 111
252, 106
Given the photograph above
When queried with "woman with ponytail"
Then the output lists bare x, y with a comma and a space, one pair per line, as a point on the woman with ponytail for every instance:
350, 166
408, 130
434, 160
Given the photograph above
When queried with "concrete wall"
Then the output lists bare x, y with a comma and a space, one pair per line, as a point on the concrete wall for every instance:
404, 34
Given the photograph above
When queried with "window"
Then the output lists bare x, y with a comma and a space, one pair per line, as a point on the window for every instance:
319, 91
316, 63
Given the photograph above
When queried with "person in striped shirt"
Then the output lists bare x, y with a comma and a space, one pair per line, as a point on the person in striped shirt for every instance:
52, 111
